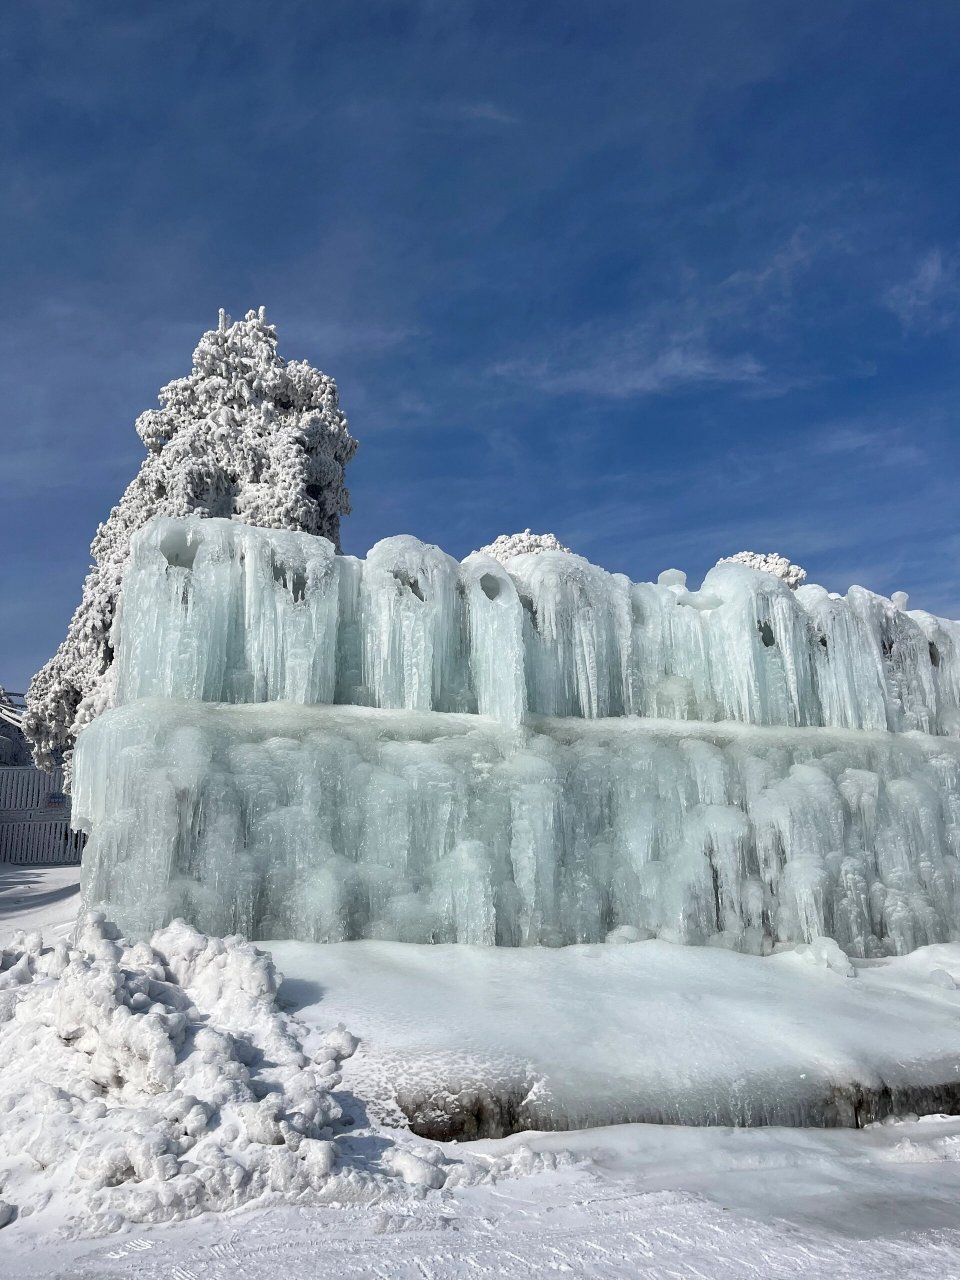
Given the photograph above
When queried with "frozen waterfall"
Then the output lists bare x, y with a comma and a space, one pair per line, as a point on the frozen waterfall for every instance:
313, 746
223, 612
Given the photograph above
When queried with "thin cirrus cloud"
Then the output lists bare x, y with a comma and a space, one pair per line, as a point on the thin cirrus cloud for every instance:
622, 368
929, 299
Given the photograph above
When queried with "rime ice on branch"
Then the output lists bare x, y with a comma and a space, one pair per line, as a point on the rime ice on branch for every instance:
246, 435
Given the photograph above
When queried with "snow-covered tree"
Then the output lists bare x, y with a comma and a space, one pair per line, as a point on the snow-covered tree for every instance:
508, 545
769, 562
246, 435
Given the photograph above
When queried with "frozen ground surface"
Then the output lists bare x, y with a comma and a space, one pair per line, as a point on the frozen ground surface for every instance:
505, 1039
636, 1200
44, 898
643, 1201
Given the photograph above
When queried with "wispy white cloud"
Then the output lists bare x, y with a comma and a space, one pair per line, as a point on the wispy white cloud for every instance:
727, 332
929, 299
637, 364
489, 111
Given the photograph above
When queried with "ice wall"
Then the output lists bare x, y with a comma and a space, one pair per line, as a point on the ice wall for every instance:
220, 611
331, 823
406, 747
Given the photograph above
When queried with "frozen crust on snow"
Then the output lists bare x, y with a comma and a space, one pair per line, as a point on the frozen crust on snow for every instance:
469, 1042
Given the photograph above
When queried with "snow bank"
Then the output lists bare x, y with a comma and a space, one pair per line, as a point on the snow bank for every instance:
150, 1082
466, 1042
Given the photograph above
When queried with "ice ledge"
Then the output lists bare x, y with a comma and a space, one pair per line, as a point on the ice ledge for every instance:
217, 610
332, 823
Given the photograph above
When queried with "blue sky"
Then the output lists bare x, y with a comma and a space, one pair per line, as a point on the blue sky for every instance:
670, 278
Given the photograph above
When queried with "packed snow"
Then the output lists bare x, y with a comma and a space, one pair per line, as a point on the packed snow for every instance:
332, 823
144, 1083
653, 1201
466, 1042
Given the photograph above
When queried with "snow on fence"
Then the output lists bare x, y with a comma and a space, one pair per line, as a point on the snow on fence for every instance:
35, 817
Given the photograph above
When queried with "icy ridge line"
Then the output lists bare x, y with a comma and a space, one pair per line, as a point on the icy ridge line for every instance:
151, 1082
217, 610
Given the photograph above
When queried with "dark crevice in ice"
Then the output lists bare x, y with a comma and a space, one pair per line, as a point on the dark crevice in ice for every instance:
490, 586
411, 583
462, 1114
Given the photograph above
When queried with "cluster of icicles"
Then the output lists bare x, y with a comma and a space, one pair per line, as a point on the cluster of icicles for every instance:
219, 611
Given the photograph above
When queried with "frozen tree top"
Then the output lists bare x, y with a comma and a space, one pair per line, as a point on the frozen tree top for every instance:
508, 545
769, 562
245, 435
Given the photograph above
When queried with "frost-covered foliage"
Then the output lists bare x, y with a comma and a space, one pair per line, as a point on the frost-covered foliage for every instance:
149, 1082
507, 545
769, 562
246, 435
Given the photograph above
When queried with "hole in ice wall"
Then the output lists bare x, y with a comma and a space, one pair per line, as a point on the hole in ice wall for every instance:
766, 634
490, 586
292, 579
934, 654
178, 550
409, 582
822, 640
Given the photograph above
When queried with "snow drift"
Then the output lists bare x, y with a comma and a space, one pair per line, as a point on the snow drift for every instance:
151, 1082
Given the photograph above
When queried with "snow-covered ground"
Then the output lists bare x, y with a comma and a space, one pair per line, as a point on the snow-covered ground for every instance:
582, 1026
533, 1037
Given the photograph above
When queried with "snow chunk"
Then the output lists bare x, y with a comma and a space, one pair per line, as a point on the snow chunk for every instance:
152, 1081
769, 562
507, 545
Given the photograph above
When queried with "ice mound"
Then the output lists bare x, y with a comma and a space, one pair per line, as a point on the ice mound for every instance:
220, 611
148, 1082
335, 823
